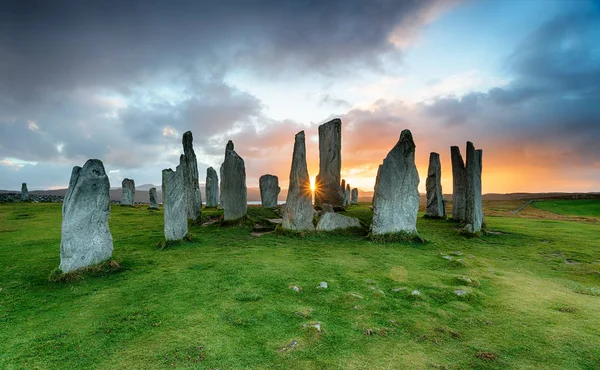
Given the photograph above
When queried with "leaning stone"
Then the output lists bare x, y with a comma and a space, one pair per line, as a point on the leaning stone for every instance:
153, 198
269, 190
233, 185
327, 182
85, 236
24, 192
355, 196
336, 221
127, 199
174, 204
396, 195
212, 188
193, 197
298, 210
458, 184
435, 199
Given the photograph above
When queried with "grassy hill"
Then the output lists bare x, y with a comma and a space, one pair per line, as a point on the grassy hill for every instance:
530, 296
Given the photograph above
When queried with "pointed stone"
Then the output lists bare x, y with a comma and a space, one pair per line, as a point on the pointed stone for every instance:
269, 190
327, 182
343, 187
153, 198
355, 196
233, 185
298, 211
433, 185
174, 203
24, 193
473, 203
85, 236
193, 197
128, 196
212, 188
396, 195
347, 195
458, 184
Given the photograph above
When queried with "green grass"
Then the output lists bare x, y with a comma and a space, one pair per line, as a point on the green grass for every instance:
224, 299
582, 207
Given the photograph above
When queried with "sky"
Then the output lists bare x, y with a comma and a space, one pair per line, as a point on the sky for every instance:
122, 81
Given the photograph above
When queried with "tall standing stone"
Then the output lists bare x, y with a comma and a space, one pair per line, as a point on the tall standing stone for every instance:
396, 195
355, 196
473, 204
458, 184
327, 182
298, 211
85, 236
433, 185
212, 188
343, 187
174, 203
24, 192
347, 195
153, 198
269, 190
233, 185
190, 177
128, 196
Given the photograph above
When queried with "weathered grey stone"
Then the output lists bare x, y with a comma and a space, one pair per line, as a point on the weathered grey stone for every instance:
233, 185
433, 185
212, 188
127, 199
298, 210
153, 198
174, 203
85, 235
458, 184
193, 197
473, 203
343, 187
24, 192
221, 186
269, 190
355, 196
327, 208
336, 221
327, 182
347, 195
396, 195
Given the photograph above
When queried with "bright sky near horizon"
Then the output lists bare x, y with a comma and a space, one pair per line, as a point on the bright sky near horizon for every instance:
123, 80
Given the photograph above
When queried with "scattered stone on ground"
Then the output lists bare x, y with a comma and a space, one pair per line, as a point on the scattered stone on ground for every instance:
322, 285
399, 289
356, 295
460, 292
316, 325
296, 288
336, 221
415, 292
290, 346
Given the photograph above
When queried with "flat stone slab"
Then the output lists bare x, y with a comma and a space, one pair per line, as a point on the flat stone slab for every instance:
336, 221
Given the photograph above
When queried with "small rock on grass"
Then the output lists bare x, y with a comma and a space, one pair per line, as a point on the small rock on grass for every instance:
290, 346
323, 285
296, 288
460, 292
399, 289
316, 325
415, 293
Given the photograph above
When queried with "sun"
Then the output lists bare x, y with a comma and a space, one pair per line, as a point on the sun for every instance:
312, 184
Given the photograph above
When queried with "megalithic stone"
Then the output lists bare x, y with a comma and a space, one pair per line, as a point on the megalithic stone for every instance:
473, 204
343, 185
433, 185
327, 182
269, 190
396, 195
347, 195
355, 196
221, 186
298, 211
153, 198
458, 184
233, 185
174, 203
190, 177
85, 236
128, 196
212, 188
24, 192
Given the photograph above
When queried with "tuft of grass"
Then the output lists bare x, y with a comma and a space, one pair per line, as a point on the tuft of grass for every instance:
102, 269
401, 237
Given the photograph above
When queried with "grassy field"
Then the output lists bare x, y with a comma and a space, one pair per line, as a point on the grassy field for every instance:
583, 207
224, 300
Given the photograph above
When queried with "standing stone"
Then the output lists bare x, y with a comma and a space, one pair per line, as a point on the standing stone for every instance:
473, 203
212, 188
343, 187
355, 196
85, 236
24, 192
221, 186
190, 177
269, 190
233, 185
433, 185
396, 195
347, 196
327, 183
174, 203
298, 212
153, 198
458, 184
128, 196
